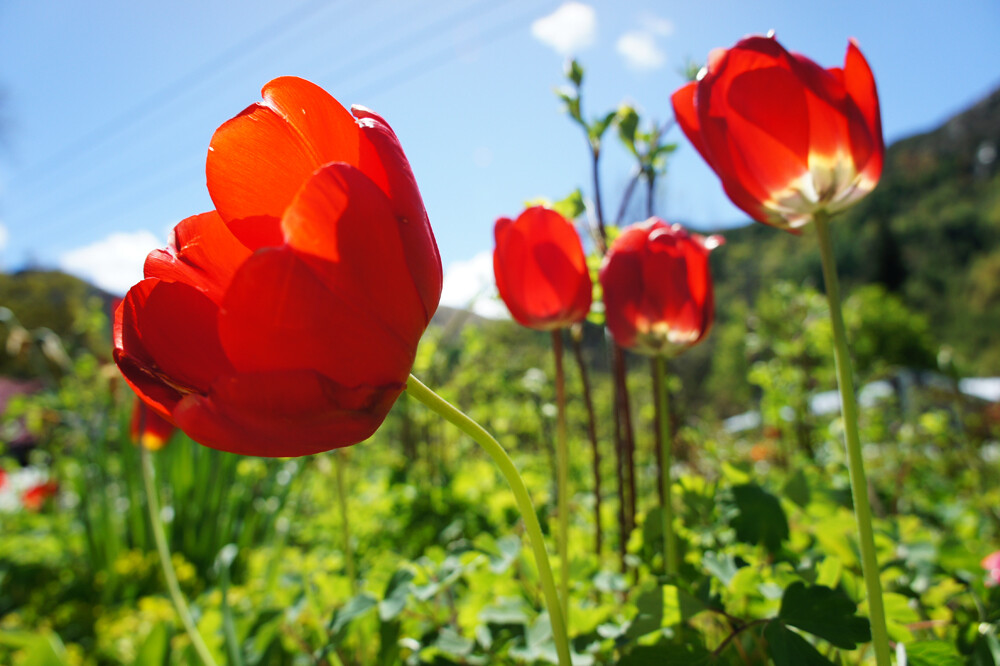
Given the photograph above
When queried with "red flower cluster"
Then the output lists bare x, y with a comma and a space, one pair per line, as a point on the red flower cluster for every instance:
541, 270
658, 296
786, 137
285, 322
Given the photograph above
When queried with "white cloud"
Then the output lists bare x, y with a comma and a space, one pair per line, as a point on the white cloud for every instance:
569, 29
470, 285
4, 236
113, 263
640, 50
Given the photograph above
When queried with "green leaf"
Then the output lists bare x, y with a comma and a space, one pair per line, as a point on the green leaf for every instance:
396, 593
40, 649
574, 72
721, 566
650, 617
759, 517
628, 121
932, 653
354, 608
787, 648
824, 612
797, 489
154, 648
683, 654
600, 126
570, 207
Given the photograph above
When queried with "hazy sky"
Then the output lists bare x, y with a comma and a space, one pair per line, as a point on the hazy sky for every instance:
107, 107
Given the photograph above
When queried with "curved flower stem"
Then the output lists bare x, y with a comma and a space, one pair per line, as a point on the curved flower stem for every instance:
855, 462
562, 473
452, 414
339, 463
180, 605
665, 440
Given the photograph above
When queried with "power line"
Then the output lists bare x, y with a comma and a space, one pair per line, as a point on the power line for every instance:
413, 40
170, 92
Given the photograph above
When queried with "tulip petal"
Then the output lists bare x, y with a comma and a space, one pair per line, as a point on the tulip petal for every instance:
683, 101
860, 85
131, 356
202, 253
343, 218
258, 160
284, 413
383, 161
279, 314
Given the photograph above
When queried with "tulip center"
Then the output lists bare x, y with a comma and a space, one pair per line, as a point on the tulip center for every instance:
831, 183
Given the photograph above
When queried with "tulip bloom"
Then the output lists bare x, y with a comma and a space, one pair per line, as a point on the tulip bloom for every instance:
149, 429
34, 498
786, 137
285, 322
541, 270
657, 288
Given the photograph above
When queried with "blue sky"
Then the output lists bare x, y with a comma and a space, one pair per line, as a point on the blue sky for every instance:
107, 107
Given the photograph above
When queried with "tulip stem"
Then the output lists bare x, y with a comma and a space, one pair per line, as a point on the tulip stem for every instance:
849, 408
340, 461
562, 473
665, 440
159, 536
455, 416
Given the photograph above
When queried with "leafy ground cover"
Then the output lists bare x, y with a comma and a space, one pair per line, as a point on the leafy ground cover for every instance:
440, 572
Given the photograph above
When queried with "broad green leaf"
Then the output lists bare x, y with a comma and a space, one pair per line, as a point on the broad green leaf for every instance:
154, 648
824, 612
797, 489
396, 592
354, 608
932, 653
829, 570
679, 605
759, 518
650, 617
570, 207
721, 566
40, 649
628, 121
787, 648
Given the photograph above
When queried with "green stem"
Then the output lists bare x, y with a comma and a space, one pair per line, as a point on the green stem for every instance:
180, 605
849, 407
452, 414
562, 473
666, 481
339, 463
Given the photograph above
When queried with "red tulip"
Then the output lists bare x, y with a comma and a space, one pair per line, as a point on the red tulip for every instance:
148, 428
3, 478
34, 498
286, 321
786, 137
657, 288
540, 269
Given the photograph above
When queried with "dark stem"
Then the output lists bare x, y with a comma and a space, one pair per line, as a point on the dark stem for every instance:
628, 436
627, 196
575, 336
736, 632
602, 237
